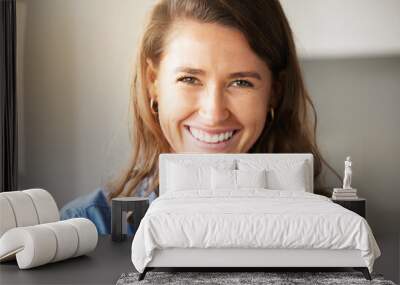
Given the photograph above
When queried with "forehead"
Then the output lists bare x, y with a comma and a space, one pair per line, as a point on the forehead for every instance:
199, 45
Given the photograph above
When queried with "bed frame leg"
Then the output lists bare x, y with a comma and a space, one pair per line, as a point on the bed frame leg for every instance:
143, 274
364, 271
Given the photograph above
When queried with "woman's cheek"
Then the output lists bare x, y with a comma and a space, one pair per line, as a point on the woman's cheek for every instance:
175, 106
252, 118
178, 103
254, 112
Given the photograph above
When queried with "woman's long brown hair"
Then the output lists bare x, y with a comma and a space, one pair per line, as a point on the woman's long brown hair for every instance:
264, 24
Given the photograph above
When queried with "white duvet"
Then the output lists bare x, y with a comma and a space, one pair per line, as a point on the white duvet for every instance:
251, 218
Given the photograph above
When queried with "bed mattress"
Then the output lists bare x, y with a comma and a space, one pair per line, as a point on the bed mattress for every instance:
251, 219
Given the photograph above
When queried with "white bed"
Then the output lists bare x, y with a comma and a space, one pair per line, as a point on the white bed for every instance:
209, 226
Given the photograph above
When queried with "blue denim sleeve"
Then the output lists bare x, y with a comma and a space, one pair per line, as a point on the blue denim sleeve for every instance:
94, 207
142, 189
152, 197
70, 213
101, 217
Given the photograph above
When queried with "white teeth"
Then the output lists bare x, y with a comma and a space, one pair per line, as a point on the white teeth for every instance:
203, 136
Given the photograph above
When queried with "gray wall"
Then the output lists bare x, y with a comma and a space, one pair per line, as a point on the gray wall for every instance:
74, 64
357, 102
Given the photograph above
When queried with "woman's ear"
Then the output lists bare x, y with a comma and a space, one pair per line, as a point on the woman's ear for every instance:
151, 79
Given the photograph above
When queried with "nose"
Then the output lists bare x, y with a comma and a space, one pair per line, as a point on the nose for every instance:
213, 109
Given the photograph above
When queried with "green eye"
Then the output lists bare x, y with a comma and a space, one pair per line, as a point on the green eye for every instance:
188, 80
242, 83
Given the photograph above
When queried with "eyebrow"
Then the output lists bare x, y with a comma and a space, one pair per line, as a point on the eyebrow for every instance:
252, 74
190, 70
196, 71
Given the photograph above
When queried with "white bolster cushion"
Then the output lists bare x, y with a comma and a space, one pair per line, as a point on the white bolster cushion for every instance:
87, 234
7, 220
23, 208
40, 244
46, 207
32, 246
26, 208
67, 240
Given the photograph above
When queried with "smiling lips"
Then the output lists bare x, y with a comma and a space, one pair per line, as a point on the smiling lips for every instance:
207, 137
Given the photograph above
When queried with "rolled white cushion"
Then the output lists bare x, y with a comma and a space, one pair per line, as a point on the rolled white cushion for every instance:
33, 245
87, 235
40, 244
26, 208
45, 205
67, 240
23, 208
7, 218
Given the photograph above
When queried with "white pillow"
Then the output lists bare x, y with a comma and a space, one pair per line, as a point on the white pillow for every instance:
251, 178
223, 179
288, 179
281, 174
235, 179
186, 175
182, 177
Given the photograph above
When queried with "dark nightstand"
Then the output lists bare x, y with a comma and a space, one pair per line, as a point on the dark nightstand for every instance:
357, 205
119, 208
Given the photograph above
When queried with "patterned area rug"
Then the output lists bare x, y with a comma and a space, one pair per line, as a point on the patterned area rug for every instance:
229, 278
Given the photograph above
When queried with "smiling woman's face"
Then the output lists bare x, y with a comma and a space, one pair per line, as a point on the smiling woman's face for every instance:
213, 91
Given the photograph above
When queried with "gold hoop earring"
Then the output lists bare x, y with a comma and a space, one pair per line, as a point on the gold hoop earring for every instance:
272, 114
152, 104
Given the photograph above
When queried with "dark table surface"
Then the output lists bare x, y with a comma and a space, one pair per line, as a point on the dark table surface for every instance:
104, 265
